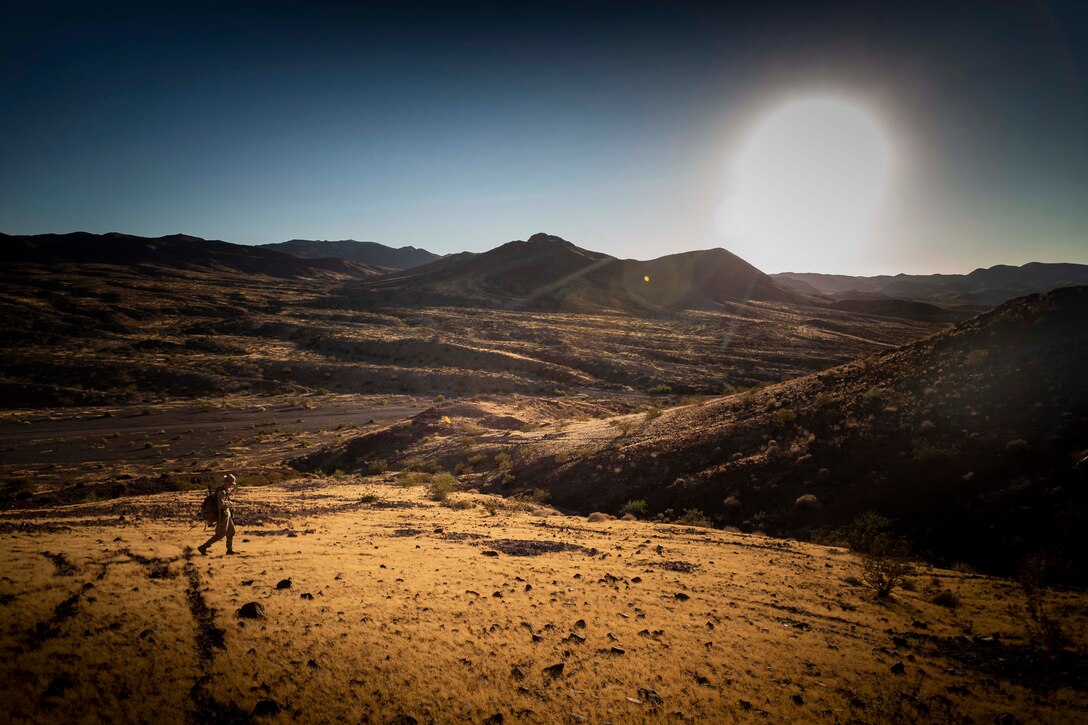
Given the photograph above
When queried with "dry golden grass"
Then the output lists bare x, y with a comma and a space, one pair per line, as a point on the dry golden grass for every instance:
410, 615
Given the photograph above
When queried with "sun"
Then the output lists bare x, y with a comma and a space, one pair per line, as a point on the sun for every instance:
805, 187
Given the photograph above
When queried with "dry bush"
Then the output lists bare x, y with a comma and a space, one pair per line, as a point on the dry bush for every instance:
441, 486
884, 559
695, 517
597, 517
946, 598
414, 478
1043, 625
808, 502
635, 507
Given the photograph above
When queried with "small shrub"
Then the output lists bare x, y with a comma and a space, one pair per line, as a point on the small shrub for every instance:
661, 389
491, 507
808, 502
884, 559
824, 399
785, 417
732, 504
441, 486
695, 517
635, 507
414, 478
946, 598
597, 517
457, 505
652, 414
504, 461
1043, 626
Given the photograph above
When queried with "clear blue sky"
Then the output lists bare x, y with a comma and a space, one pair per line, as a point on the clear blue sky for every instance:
461, 126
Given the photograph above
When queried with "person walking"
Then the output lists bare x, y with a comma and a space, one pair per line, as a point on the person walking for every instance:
224, 527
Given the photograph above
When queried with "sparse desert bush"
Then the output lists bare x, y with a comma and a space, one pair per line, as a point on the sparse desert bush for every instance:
731, 504
635, 507
534, 495
824, 399
457, 504
378, 466
491, 507
946, 598
651, 414
784, 417
623, 425
695, 517
924, 451
414, 478
441, 486
1044, 627
884, 558
661, 389
874, 396
597, 516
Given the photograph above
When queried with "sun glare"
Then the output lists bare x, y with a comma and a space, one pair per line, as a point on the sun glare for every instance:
805, 187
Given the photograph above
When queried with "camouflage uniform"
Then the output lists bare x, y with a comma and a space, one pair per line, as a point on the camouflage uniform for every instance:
225, 525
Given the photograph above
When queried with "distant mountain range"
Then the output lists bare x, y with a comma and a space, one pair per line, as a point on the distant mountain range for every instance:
371, 253
178, 251
546, 272
549, 273
981, 288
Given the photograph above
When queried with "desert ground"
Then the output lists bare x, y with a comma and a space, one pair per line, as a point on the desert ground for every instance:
503, 506
381, 605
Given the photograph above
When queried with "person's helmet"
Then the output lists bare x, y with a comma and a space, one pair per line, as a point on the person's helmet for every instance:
229, 479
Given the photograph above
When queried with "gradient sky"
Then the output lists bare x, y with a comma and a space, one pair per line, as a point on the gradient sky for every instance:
453, 126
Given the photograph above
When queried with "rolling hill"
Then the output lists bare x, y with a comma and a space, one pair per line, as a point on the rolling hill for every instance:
982, 287
179, 251
549, 273
370, 253
973, 441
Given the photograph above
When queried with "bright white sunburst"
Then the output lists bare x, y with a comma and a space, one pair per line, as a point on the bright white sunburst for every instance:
805, 187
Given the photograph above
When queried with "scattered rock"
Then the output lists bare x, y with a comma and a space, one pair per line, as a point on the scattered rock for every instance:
284, 584
554, 670
898, 668
518, 672
305, 595
680, 596
617, 650
580, 624
251, 610
265, 708
798, 700
650, 696
496, 719
576, 637
491, 553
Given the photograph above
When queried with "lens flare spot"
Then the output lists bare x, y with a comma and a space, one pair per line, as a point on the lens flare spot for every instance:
645, 278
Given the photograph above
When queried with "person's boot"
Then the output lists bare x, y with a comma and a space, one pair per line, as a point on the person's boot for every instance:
231, 552
203, 549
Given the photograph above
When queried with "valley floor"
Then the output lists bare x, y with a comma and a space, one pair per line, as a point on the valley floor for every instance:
478, 608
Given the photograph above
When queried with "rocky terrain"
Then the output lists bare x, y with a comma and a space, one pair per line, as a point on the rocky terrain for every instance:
538, 483
973, 441
359, 599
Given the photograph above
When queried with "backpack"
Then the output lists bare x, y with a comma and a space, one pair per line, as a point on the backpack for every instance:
209, 509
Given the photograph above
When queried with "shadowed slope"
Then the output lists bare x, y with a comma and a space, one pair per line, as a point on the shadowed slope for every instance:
973, 440
176, 250
370, 253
